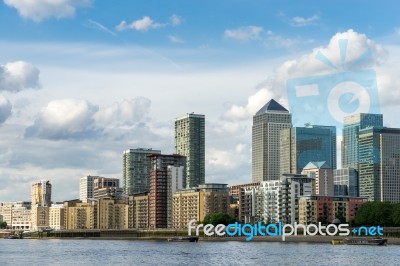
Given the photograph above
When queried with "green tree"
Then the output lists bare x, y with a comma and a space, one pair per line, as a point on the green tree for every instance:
218, 218
396, 215
340, 216
3, 225
378, 213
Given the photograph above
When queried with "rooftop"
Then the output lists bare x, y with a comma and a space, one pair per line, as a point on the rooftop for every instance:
272, 105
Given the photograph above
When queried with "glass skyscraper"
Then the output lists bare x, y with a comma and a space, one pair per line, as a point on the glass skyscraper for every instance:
350, 144
301, 145
379, 154
190, 142
267, 125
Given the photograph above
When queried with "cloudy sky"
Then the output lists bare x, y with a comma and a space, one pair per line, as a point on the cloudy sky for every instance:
83, 80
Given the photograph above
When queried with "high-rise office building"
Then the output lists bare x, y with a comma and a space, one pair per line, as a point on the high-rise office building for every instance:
136, 167
190, 142
301, 145
267, 124
350, 144
163, 184
379, 166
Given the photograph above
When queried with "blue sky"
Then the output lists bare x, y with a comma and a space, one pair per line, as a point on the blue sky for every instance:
81, 81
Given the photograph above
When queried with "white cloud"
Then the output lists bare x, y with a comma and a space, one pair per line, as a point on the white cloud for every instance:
301, 21
37, 10
228, 159
307, 65
5, 109
65, 119
19, 75
244, 33
80, 119
254, 103
175, 20
143, 24
175, 39
125, 113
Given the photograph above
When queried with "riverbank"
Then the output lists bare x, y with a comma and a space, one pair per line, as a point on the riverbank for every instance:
288, 239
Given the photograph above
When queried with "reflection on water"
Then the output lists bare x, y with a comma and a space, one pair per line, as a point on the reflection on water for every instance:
126, 252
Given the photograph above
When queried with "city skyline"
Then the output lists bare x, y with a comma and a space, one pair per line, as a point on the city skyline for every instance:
79, 86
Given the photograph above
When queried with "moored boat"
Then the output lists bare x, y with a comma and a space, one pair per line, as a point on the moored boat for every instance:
183, 239
365, 241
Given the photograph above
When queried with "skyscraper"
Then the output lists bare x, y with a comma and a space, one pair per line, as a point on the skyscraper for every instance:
350, 145
41, 193
136, 168
267, 124
301, 145
41, 201
164, 180
379, 154
190, 142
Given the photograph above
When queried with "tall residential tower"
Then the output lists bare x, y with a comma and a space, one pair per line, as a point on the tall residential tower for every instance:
267, 124
136, 168
190, 142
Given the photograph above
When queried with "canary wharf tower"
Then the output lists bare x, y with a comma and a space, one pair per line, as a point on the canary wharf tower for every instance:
267, 124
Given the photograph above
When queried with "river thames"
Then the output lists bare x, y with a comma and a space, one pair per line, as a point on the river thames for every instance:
128, 252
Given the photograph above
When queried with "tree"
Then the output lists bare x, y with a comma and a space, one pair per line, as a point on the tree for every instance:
218, 218
3, 225
341, 217
378, 213
396, 215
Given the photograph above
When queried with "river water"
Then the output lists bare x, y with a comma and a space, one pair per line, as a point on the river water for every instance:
129, 252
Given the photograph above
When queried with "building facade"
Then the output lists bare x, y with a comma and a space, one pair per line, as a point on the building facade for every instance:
190, 142
136, 169
160, 187
104, 187
41, 202
196, 203
267, 124
379, 167
279, 198
57, 217
322, 176
138, 211
111, 213
350, 143
79, 215
324, 209
301, 145
86, 188
345, 182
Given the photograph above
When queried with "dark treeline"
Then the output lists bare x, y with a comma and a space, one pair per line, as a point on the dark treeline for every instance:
378, 213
